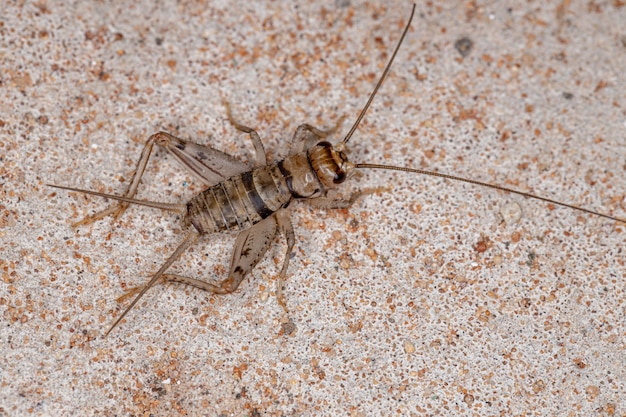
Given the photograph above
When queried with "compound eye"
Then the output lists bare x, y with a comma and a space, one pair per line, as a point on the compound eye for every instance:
340, 177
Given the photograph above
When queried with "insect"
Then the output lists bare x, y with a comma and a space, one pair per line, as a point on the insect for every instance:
253, 199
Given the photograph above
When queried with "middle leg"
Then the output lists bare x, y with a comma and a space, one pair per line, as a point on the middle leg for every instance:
261, 157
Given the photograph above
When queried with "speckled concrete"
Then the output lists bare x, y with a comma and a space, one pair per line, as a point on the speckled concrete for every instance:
436, 298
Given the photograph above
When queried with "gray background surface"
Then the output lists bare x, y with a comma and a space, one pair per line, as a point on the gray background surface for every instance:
431, 299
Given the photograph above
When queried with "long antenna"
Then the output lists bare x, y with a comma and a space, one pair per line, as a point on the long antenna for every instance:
485, 184
380, 81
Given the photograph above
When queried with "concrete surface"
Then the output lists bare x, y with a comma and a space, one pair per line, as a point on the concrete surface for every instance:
436, 298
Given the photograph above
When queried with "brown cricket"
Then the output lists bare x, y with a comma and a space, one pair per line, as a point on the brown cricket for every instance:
254, 199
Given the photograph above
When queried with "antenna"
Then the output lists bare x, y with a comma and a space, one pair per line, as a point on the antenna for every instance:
485, 184
380, 81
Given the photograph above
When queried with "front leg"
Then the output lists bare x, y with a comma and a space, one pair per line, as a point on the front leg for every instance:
343, 203
306, 135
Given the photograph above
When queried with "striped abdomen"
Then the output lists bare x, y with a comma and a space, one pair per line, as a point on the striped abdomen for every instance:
239, 202
245, 199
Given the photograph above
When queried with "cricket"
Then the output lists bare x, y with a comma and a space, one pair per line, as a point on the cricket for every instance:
254, 198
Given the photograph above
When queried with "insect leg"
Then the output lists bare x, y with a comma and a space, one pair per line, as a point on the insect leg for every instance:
284, 222
209, 165
343, 203
261, 158
190, 239
250, 246
306, 135
118, 209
